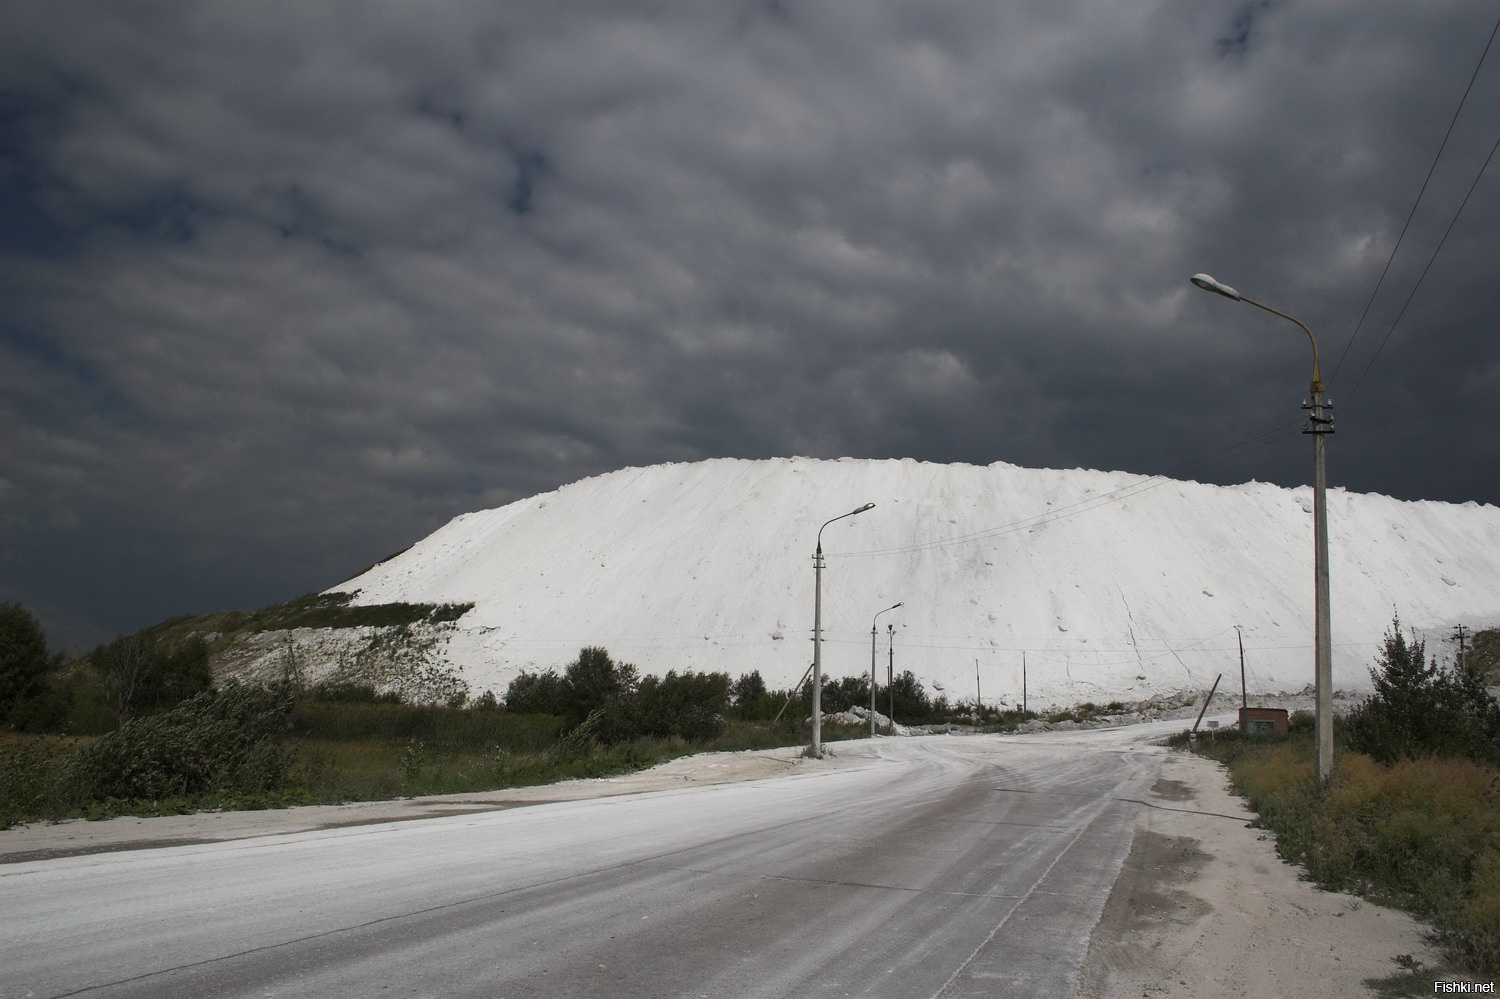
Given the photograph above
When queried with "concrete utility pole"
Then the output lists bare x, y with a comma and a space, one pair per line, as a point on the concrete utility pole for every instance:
1244, 697
1319, 425
872, 666
890, 672
816, 748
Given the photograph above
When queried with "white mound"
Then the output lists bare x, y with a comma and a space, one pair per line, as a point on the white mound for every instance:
1111, 585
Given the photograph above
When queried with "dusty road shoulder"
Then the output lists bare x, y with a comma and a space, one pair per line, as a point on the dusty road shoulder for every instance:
1204, 906
77, 837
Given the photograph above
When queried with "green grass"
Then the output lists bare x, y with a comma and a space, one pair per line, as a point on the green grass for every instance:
371, 750
312, 610
1421, 835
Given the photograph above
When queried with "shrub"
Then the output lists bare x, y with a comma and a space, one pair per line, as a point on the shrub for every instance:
1420, 708
689, 706
214, 741
536, 693
592, 681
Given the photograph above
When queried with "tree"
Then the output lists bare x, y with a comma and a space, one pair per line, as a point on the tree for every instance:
752, 701
845, 693
23, 657
536, 693
747, 689
688, 705
592, 681
1419, 708
137, 674
911, 703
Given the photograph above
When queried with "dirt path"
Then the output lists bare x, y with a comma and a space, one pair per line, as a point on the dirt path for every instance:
1204, 906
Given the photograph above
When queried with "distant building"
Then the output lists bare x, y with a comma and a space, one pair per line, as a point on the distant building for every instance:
1262, 721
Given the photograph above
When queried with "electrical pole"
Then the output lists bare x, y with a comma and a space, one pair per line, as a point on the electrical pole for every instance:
1462, 648
1023, 684
872, 665
978, 701
1244, 697
890, 672
1319, 425
816, 747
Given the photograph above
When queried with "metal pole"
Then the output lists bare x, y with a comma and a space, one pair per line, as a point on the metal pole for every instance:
1023, 683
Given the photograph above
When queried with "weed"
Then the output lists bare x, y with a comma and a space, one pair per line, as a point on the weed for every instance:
1420, 834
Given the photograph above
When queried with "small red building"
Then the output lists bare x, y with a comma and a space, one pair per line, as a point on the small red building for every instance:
1262, 721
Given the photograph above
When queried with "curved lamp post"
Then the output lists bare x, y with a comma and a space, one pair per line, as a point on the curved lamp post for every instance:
872, 665
1319, 425
817, 698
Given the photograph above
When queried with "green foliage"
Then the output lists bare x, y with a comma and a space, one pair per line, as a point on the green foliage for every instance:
592, 681
751, 701
1422, 834
689, 706
605, 703
23, 658
440, 728
1484, 655
29, 782
537, 693
747, 690
312, 610
213, 741
336, 610
845, 693
138, 674
1420, 708
352, 692
912, 706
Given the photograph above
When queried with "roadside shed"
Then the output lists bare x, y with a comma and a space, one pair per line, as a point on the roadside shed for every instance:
1263, 721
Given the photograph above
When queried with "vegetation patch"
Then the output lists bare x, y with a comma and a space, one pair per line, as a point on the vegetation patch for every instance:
1410, 816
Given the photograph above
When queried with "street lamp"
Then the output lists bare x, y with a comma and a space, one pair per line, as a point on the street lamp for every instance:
1319, 425
817, 698
872, 666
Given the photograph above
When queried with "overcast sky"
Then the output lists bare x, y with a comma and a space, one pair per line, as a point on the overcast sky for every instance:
285, 286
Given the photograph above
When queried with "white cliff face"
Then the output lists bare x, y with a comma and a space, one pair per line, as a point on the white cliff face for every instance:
1112, 585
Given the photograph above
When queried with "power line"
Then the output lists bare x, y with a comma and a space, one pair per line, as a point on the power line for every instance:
1412, 214
1430, 261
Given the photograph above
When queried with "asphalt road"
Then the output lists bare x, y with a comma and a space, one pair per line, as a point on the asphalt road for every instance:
923, 867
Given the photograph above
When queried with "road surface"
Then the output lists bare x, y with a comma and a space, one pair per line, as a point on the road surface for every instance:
934, 866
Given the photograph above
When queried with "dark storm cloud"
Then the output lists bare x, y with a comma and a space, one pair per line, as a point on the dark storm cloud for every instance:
287, 285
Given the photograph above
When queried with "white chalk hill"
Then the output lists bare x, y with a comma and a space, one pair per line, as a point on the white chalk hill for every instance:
1111, 585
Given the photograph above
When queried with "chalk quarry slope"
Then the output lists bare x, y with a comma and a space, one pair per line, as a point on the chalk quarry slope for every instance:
1109, 585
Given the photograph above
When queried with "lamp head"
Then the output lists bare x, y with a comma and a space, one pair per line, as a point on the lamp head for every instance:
1208, 283
867, 506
